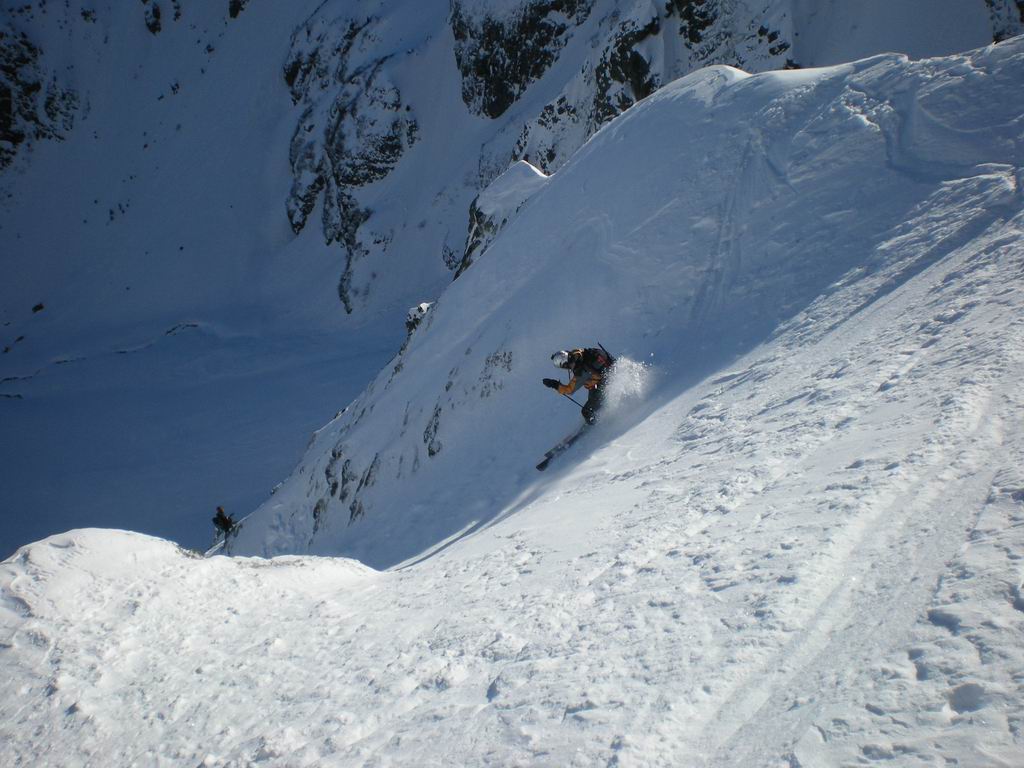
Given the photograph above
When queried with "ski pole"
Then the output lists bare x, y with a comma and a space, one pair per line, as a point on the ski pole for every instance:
565, 395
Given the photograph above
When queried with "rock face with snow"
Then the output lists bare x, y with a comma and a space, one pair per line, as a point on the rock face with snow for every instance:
641, 48
1007, 18
497, 205
353, 130
35, 103
501, 51
548, 73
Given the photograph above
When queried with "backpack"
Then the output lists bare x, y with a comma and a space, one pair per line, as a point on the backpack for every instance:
597, 360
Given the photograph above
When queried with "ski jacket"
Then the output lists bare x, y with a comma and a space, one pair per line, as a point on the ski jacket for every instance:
589, 365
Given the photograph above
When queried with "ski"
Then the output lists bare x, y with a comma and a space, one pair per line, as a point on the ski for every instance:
561, 447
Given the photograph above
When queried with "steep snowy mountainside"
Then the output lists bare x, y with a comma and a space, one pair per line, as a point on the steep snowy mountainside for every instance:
809, 557
717, 212
405, 112
246, 198
145, 214
167, 342
387, 119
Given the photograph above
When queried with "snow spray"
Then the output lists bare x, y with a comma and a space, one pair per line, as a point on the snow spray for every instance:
628, 384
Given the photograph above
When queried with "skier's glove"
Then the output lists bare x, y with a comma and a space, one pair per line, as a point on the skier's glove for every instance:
553, 383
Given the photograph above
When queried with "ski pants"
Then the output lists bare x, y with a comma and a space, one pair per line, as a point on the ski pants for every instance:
595, 398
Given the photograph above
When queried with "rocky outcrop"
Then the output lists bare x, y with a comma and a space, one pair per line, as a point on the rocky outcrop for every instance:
500, 56
1007, 18
235, 7
641, 51
34, 105
633, 50
624, 74
352, 130
496, 205
548, 73
154, 15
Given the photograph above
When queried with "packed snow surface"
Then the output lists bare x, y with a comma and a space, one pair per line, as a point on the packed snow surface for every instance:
796, 541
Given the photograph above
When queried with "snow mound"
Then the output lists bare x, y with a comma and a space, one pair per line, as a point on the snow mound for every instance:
507, 193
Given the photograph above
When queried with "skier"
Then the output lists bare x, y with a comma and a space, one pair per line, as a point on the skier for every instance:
588, 366
223, 523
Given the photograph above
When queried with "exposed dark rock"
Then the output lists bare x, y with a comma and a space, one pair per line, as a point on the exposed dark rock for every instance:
357, 509
491, 378
771, 41
695, 16
544, 156
152, 16
450, 256
235, 7
319, 513
348, 478
624, 65
629, 66
482, 229
415, 316
331, 471
430, 433
33, 104
345, 485
1007, 18
500, 57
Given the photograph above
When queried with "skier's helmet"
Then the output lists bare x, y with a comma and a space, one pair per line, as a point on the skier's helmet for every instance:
560, 359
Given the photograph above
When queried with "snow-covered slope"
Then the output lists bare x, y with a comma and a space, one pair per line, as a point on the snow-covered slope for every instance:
683, 234
215, 214
795, 539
